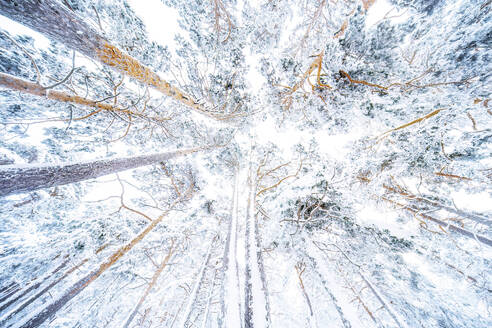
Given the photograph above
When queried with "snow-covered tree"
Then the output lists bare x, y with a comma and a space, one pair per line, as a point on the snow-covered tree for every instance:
337, 171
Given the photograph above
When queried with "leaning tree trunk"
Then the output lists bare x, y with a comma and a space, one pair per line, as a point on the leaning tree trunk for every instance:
26, 178
57, 22
48, 312
150, 286
14, 83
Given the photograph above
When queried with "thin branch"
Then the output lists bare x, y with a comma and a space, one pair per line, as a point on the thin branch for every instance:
38, 74
66, 77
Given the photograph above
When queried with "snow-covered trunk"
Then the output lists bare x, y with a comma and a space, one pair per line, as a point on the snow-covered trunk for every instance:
15, 83
8, 291
46, 289
323, 281
56, 22
231, 306
59, 23
256, 312
50, 310
447, 225
30, 287
26, 178
311, 318
260, 262
438, 205
198, 284
209, 300
151, 285
396, 317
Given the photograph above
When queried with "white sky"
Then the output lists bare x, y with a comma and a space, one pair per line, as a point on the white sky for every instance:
14, 28
160, 20
380, 9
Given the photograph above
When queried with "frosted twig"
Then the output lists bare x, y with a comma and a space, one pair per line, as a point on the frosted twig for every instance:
38, 74
66, 77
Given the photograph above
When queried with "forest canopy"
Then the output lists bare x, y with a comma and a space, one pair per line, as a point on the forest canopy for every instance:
234, 163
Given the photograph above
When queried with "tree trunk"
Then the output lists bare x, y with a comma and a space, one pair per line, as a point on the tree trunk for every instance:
230, 295
151, 285
26, 178
187, 322
14, 83
58, 23
256, 307
48, 312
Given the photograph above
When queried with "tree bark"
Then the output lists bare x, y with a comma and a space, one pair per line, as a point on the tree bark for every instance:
151, 285
197, 286
14, 83
16, 179
256, 304
56, 22
48, 312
